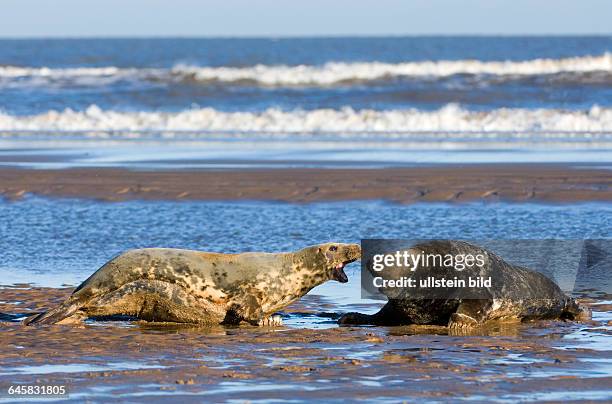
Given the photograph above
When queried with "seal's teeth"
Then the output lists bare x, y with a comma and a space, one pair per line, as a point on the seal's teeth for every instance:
340, 266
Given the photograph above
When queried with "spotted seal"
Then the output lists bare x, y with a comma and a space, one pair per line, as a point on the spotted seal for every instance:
521, 294
185, 286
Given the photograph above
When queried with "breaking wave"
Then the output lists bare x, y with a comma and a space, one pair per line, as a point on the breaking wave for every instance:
346, 121
331, 73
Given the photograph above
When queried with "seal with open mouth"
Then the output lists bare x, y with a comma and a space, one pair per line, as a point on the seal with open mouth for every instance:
185, 286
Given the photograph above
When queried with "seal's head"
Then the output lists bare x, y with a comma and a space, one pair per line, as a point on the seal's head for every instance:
330, 259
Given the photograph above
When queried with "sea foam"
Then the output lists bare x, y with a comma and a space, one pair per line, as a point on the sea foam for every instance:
331, 73
451, 118
336, 72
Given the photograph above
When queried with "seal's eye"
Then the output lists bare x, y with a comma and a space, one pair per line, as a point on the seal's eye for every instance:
333, 248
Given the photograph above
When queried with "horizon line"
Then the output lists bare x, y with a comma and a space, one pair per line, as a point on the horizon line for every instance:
314, 36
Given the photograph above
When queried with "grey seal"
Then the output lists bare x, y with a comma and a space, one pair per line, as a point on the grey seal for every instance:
522, 294
185, 286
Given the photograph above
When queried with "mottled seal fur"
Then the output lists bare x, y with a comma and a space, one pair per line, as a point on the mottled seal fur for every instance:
185, 286
521, 294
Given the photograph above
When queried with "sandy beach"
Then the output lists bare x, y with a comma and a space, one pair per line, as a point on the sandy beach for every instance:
515, 183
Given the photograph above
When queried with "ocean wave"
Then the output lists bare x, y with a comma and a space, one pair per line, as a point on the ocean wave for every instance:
335, 72
18, 71
331, 73
346, 121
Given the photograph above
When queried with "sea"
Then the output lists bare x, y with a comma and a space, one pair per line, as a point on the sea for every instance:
307, 101
186, 103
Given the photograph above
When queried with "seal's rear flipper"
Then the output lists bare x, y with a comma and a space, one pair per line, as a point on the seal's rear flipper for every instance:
53, 316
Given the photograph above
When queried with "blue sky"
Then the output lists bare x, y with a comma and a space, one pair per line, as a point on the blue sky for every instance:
75, 18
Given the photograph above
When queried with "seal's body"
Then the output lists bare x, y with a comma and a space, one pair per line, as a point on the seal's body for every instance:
517, 294
172, 285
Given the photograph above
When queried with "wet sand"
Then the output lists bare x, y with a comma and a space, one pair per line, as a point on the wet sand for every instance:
545, 360
137, 361
513, 182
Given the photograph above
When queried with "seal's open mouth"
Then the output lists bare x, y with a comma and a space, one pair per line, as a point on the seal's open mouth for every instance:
338, 272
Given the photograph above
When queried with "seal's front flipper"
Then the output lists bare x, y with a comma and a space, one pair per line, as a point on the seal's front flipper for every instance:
248, 313
77, 318
460, 322
470, 314
272, 321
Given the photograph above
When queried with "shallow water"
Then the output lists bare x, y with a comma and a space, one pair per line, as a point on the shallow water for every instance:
74, 368
54, 242
59, 242
49, 242
308, 153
